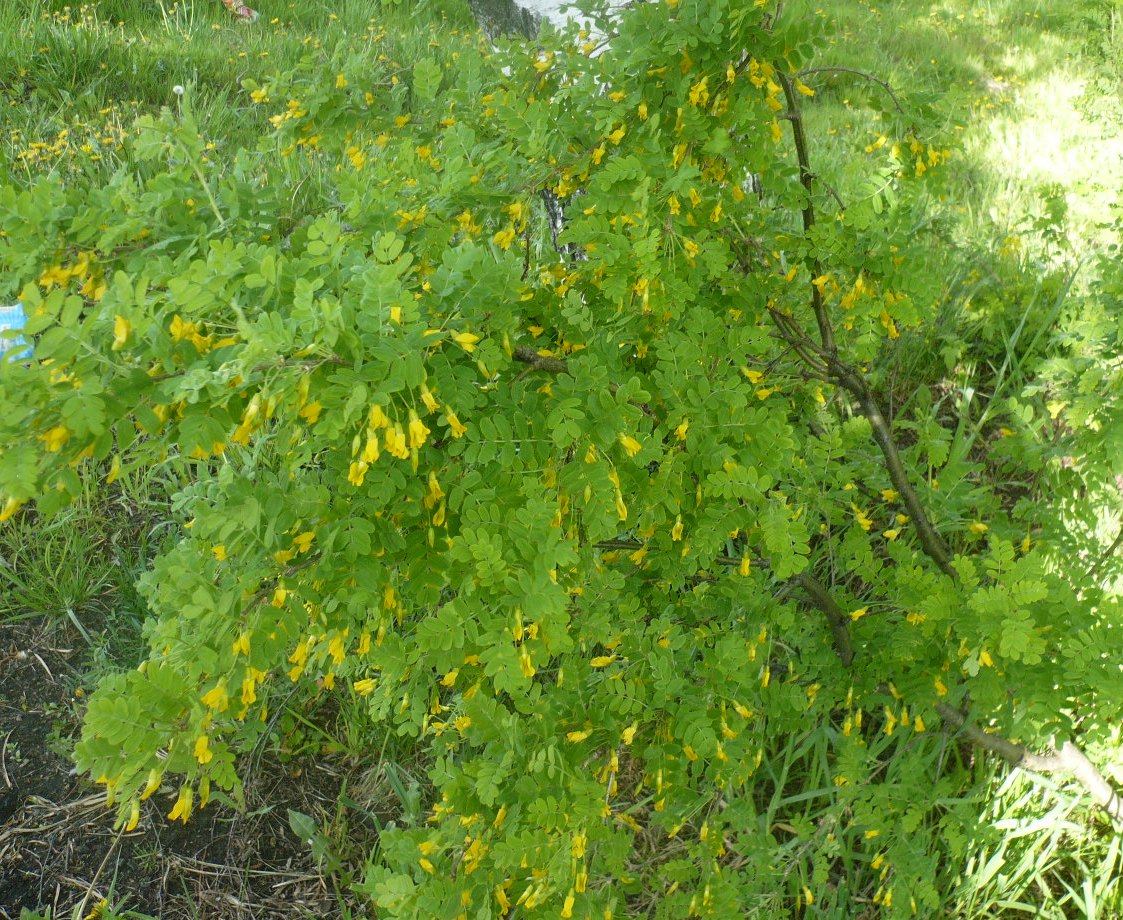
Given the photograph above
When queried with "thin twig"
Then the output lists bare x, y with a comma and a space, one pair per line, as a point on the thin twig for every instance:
1105, 555
858, 73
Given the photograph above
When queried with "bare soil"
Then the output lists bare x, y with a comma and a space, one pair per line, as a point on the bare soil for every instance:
59, 850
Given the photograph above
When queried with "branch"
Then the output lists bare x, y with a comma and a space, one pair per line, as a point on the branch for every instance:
524, 354
822, 599
930, 540
1068, 760
807, 180
858, 73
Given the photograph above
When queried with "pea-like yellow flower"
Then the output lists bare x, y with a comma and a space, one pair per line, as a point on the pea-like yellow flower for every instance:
418, 432
466, 340
182, 807
428, 399
203, 752
121, 330
457, 428
216, 698
631, 445
55, 438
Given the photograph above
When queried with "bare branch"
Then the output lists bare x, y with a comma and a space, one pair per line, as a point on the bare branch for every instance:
1069, 759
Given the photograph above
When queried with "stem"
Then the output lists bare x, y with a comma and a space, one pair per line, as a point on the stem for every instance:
807, 180
932, 543
206, 188
822, 599
1068, 759
845, 375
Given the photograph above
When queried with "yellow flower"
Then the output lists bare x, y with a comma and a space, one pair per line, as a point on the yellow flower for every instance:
216, 698
311, 412
680, 431
458, 429
259, 95
856, 615
417, 431
182, 807
203, 753
699, 93
219, 551
985, 659
153, 783
55, 438
182, 330
889, 495
567, 905
449, 680
978, 527
396, 442
526, 665
121, 330
426, 865
377, 418
629, 733
428, 399
602, 661
631, 445
804, 88
364, 687
304, 541
357, 473
918, 724
504, 238
11, 506
340, 81
134, 816
864, 521
577, 737
466, 340
370, 450
676, 531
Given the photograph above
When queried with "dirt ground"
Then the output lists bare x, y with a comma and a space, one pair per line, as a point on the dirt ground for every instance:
58, 847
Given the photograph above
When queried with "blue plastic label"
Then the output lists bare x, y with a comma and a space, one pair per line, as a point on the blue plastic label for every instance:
13, 348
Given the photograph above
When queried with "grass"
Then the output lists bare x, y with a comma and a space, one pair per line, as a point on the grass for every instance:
1029, 93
